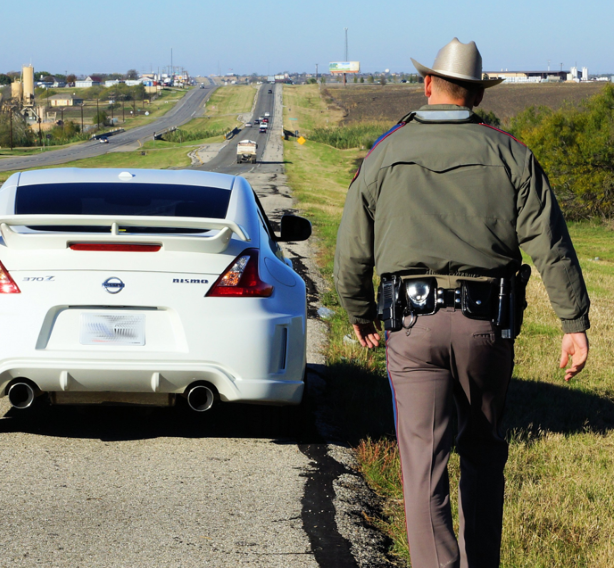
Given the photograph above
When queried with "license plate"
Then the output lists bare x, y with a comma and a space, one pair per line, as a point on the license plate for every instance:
112, 329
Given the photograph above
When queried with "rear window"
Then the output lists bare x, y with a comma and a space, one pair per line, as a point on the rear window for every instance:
134, 199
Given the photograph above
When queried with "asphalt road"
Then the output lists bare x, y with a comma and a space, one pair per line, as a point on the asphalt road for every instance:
240, 485
190, 106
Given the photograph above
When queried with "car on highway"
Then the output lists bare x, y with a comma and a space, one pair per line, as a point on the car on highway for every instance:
248, 125
146, 287
270, 92
103, 140
265, 120
256, 121
263, 128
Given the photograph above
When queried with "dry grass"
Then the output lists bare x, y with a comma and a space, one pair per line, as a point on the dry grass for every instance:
559, 499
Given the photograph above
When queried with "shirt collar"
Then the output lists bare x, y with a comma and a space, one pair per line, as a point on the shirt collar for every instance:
444, 113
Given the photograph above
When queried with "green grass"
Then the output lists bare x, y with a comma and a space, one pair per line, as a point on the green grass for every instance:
559, 500
223, 108
350, 136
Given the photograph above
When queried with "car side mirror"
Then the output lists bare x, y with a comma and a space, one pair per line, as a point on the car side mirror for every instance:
294, 228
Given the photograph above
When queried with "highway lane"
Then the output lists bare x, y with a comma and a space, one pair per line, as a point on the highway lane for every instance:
226, 161
189, 107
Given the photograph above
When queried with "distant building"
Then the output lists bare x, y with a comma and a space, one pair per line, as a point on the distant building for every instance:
87, 83
526, 76
65, 100
112, 82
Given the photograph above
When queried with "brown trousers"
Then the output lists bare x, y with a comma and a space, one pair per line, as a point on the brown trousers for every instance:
444, 359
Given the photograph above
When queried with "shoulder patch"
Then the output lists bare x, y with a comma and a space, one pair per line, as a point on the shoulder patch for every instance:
385, 135
502, 132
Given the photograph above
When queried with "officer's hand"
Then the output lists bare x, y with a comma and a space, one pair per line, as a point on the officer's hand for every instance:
575, 345
367, 333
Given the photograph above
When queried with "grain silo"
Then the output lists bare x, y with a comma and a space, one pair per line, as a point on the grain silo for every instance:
17, 90
27, 72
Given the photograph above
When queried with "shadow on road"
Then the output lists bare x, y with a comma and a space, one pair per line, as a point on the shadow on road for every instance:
283, 425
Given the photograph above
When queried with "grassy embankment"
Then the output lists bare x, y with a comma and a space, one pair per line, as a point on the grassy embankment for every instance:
228, 102
559, 499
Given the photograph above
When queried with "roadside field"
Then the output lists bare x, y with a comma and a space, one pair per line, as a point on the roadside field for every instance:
559, 503
122, 114
127, 114
389, 103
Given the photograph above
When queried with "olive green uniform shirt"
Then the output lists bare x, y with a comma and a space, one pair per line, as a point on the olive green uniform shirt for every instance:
445, 194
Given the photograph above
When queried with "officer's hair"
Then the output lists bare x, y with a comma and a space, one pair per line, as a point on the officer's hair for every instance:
454, 88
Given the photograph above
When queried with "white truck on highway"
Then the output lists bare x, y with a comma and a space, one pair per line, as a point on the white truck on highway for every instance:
246, 151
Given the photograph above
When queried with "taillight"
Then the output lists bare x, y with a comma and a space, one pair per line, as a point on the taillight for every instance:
7, 284
241, 278
115, 247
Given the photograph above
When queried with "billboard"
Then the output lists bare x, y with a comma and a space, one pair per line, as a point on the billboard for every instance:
344, 67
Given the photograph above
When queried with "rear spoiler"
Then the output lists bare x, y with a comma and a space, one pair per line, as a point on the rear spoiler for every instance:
55, 240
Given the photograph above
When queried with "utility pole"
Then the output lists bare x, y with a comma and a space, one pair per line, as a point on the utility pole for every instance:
316, 72
82, 116
11, 127
97, 115
346, 55
123, 110
172, 68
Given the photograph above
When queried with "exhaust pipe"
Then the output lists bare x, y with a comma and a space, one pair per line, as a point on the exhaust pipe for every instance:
200, 398
22, 395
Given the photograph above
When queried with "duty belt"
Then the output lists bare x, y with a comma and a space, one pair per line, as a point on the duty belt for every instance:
401, 301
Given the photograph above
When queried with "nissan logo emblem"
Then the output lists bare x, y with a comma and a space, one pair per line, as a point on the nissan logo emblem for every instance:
113, 285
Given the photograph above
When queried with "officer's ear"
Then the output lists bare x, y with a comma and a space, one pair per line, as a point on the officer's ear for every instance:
478, 97
428, 86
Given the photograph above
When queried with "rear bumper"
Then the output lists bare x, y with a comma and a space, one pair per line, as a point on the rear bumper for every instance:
152, 377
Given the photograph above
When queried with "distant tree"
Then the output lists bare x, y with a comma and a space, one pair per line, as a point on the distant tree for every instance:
489, 117
382, 80
355, 79
131, 74
312, 81
362, 79
71, 78
322, 79
100, 118
22, 133
370, 79
574, 146
5, 79
38, 75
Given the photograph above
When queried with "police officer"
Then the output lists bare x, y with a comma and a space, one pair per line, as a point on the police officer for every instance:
440, 207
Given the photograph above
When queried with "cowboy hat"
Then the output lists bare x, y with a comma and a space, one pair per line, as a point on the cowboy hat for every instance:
460, 62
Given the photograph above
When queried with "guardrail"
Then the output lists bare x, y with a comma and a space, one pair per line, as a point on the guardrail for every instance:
107, 134
158, 135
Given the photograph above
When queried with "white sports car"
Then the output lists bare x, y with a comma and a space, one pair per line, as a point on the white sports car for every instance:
138, 286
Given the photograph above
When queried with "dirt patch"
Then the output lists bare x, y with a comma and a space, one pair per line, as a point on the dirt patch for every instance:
390, 103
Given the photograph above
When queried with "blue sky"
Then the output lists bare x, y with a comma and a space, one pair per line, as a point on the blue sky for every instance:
271, 36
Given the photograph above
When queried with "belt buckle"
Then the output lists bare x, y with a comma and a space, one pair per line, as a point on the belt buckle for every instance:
449, 298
